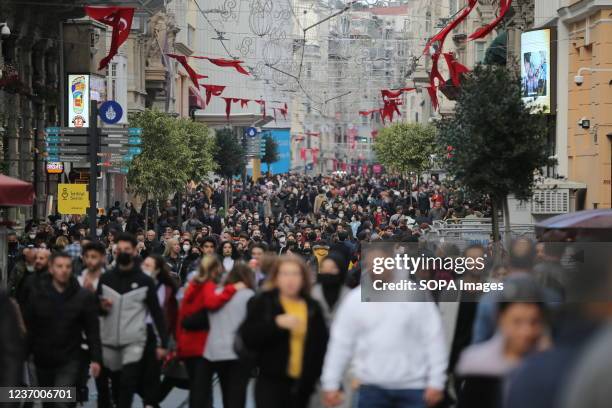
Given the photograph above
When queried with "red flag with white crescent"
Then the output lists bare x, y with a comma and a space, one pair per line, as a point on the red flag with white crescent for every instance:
120, 18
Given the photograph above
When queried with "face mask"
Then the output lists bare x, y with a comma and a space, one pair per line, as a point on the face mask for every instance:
98, 231
124, 259
186, 248
12, 245
328, 279
146, 272
341, 215
30, 268
64, 228
32, 236
176, 236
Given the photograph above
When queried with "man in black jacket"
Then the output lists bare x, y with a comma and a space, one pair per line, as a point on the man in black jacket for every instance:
57, 312
127, 297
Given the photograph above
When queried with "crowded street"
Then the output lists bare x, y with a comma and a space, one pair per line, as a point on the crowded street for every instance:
305, 204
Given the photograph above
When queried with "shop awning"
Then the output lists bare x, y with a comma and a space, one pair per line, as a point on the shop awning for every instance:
15, 192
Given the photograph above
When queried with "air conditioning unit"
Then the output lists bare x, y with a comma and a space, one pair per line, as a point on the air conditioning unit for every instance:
554, 201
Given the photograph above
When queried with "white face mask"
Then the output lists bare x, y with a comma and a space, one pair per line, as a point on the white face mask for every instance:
186, 248
148, 273
98, 231
176, 236
32, 236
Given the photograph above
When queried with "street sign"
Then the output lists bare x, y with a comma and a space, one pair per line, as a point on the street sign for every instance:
61, 139
67, 158
54, 130
110, 112
72, 199
115, 169
250, 132
122, 131
131, 140
55, 149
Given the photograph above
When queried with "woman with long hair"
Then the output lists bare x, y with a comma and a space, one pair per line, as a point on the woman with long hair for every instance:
233, 373
200, 296
227, 253
172, 255
155, 267
285, 330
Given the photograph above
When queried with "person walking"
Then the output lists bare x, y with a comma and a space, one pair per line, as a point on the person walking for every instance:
398, 352
219, 351
286, 330
193, 325
127, 296
56, 314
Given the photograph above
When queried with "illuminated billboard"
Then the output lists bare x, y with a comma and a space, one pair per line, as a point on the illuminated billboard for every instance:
78, 100
535, 69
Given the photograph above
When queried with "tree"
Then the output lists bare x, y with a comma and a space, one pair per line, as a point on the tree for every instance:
405, 147
174, 151
230, 157
270, 151
497, 143
202, 145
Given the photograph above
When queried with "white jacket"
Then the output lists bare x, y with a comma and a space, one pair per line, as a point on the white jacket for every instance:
392, 345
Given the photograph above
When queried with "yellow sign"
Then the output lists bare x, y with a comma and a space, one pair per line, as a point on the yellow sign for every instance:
72, 198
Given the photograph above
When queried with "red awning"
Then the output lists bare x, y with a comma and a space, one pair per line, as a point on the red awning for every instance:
15, 192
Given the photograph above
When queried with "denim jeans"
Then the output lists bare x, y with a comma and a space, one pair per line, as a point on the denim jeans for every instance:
371, 396
66, 375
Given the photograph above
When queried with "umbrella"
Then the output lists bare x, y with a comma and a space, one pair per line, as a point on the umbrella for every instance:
15, 192
587, 219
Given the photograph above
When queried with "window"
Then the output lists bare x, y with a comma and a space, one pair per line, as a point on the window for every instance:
479, 52
190, 35
452, 7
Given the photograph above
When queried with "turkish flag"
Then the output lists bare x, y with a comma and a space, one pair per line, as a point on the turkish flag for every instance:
262, 103
483, 31
120, 18
455, 68
433, 95
212, 90
190, 71
220, 62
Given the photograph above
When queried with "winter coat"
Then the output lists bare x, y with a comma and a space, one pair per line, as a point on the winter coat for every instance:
198, 296
270, 343
55, 322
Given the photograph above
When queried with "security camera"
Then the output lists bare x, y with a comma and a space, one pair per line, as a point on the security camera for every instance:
5, 31
579, 80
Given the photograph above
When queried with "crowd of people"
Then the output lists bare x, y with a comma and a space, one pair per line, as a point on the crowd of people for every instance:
260, 284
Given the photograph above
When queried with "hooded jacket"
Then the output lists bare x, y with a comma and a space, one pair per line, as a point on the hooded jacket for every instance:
133, 295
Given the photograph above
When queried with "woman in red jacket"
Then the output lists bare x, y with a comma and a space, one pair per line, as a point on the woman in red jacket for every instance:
201, 293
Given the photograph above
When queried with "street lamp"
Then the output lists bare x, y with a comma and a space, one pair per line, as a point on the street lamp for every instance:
579, 79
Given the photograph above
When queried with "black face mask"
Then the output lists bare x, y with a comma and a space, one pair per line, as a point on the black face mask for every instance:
328, 279
12, 246
124, 259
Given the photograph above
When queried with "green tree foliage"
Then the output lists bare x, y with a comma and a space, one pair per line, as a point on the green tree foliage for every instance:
271, 151
230, 155
203, 147
174, 151
498, 143
405, 147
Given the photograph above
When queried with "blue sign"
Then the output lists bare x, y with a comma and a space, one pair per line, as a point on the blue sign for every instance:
52, 130
110, 112
250, 132
134, 140
134, 150
135, 131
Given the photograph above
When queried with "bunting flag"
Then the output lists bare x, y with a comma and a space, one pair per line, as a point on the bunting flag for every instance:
200, 76
441, 35
455, 68
435, 72
190, 71
315, 155
504, 7
228, 107
120, 18
303, 153
262, 103
313, 134
212, 90
243, 102
387, 93
390, 108
220, 62
433, 95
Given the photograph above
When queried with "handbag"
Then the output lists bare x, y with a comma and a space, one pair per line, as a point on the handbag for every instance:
197, 321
